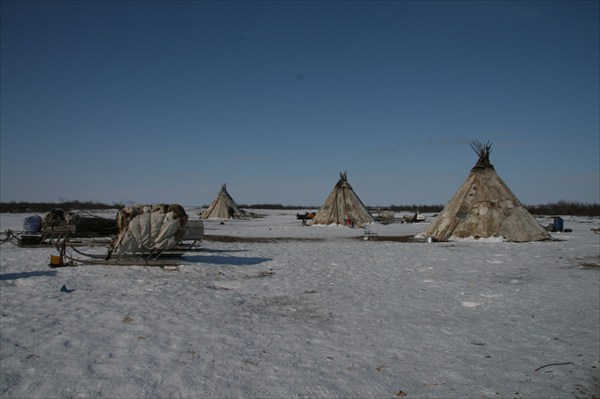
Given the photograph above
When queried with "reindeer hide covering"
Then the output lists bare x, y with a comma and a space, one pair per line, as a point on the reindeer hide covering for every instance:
143, 228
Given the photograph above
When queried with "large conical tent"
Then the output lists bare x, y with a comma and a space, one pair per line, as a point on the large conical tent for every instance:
343, 207
223, 207
485, 207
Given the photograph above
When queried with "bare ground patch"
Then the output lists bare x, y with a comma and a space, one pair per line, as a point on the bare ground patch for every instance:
589, 262
589, 265
223, 238
391, 238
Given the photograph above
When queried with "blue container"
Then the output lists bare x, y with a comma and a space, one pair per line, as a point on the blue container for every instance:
558, 224
32, 224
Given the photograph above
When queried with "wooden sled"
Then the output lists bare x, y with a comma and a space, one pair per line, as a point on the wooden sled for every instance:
50, 239
193, 235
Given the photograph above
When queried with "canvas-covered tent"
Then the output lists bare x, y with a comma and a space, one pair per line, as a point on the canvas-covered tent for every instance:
223, 207
485, 207
343, 207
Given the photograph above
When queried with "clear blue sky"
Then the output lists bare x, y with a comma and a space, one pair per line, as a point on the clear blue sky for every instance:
151, 101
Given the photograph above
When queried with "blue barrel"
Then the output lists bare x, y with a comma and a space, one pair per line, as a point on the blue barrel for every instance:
32, 224
558, 224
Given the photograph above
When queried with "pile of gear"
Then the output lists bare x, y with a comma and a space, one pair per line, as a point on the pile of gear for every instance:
146, 228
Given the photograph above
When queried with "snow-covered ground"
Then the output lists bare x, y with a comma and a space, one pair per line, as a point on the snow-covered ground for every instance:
322, 314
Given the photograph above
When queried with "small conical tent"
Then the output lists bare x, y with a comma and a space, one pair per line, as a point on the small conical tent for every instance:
485, 207
343, 207
223, 207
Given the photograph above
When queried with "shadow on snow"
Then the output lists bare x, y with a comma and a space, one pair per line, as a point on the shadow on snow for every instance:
16, 276
226, 260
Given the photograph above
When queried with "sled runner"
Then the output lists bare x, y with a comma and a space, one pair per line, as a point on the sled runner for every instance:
159, 258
